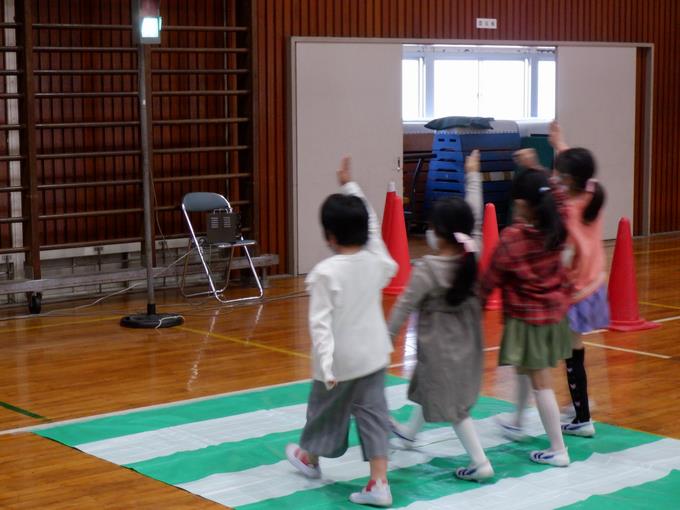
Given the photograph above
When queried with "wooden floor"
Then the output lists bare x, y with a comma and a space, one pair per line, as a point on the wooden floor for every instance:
77, 363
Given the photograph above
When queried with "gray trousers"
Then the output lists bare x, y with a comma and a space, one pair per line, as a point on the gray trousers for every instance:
328, 416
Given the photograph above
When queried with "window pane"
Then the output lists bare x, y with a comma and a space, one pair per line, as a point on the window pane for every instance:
546, 89
410, 92
455, 87
502, 89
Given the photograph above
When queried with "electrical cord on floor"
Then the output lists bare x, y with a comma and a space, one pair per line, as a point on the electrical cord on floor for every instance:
184, 306
54, 313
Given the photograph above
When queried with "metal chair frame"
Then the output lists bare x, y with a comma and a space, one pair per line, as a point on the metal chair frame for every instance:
207, 202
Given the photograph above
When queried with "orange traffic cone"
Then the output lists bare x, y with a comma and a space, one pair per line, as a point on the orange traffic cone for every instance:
490, 241
394, 235
623, 297
389, 208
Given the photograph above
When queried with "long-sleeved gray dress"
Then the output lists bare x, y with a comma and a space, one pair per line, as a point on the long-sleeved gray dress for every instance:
448, 375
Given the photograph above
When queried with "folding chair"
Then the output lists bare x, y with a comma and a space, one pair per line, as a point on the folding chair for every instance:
207, 203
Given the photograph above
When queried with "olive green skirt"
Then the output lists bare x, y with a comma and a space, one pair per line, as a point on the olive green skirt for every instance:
532, 347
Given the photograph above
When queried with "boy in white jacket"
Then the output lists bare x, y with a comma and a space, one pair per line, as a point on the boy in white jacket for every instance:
350, 343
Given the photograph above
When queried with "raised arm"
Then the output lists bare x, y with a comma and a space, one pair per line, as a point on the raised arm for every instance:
556, 137
473, 192
375, 242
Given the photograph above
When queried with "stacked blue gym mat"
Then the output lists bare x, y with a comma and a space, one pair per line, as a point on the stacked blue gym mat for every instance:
446, 175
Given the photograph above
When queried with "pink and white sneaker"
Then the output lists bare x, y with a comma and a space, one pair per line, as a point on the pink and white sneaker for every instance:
376, 493
299, 459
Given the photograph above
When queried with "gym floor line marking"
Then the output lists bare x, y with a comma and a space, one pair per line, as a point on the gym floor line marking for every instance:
248, 390
658, 305
632, 351
662, 250
668, 319
58, 324
20, 410
151, 407
247, 343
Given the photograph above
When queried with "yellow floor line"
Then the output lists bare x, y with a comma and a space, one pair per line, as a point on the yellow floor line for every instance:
57, 324
247, 343
658, 305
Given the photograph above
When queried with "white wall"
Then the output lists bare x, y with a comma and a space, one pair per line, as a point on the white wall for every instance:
346, 100
596, 108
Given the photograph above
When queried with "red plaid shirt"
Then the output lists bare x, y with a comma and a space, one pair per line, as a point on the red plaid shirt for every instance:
532, 279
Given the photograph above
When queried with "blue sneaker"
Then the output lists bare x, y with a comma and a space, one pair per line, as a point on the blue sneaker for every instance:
558, 459
478, 473
511, 432
583, 429
408, 439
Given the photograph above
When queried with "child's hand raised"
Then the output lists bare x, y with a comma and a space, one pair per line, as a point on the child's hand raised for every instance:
344, 173
556, 137
472, 162
527, 158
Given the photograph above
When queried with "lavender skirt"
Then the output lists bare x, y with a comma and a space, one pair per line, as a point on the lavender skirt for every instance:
590, 313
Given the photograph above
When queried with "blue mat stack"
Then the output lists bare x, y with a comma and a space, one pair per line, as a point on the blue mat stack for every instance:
446, 175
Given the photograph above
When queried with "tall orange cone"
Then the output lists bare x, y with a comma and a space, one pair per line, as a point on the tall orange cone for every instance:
394, 235
489, 243
389, 208
623, 297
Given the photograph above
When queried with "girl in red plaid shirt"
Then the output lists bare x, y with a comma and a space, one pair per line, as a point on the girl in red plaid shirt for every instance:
527, 267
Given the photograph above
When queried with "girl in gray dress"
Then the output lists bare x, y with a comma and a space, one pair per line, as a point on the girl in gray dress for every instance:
447, 377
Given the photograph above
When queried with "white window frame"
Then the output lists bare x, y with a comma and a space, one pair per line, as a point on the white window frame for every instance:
427, 54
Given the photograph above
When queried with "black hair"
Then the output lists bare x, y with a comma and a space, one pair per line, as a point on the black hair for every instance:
579, 163
454, 215
533, 187
346, 218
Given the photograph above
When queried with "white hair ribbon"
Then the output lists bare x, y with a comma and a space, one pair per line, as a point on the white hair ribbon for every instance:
590, 185
469, 244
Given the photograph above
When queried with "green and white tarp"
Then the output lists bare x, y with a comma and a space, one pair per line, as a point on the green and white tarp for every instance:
230, 449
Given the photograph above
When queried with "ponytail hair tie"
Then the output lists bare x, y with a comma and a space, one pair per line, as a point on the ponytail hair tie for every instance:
469, 244
590, 185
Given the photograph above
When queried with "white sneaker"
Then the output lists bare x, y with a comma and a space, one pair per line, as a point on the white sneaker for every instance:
376, 493
408, 439
511, 432
478, 473
584, 429
298, 459
557, 459
567, 412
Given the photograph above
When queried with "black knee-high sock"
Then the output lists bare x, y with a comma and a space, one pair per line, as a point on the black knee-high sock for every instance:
578, 385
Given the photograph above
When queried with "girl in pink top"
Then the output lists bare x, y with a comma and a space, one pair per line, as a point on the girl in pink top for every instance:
585, 262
